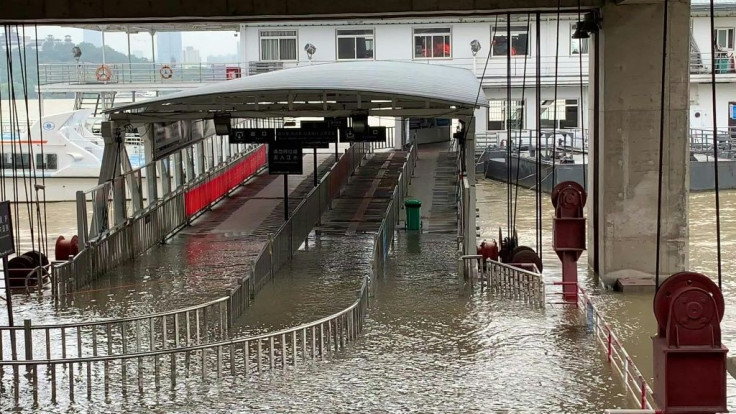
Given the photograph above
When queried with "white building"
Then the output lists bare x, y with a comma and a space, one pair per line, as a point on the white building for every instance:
191, 55
447, 41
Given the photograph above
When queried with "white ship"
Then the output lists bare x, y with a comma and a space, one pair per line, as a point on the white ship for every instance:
65, 154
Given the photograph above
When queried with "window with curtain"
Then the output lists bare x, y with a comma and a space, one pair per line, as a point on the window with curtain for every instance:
432, 43
278, 45
497, 118
519, 41
562, 113
724, 38
355, 44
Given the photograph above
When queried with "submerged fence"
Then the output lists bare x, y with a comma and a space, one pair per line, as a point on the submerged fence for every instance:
514, 282
173, 348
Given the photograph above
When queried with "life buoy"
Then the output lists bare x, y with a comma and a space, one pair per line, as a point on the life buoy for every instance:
103, 73
166, 72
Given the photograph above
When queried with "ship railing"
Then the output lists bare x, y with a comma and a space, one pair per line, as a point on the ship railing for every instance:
616, 355
156, 369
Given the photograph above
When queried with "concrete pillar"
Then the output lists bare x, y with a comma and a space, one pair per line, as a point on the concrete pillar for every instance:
623, 196
469, 210
398, 133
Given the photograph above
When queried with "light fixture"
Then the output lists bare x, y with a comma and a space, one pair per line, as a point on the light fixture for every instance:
222, 123
475, 47
584, 28
310, 49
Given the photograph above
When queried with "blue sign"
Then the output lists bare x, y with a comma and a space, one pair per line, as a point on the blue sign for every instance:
732, 111
49, 126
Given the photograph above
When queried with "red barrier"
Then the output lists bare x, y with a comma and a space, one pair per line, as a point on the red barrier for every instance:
204, 194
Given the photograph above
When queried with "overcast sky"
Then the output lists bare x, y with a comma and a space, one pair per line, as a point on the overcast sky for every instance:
208, 43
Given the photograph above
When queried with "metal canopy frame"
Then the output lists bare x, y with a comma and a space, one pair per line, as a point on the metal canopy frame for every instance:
395, 89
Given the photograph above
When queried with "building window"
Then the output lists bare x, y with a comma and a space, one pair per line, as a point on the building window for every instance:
49, 164
578, 46
432, 43
497, 119
724, 39
563, 114
355, 44
278, 45
519, 41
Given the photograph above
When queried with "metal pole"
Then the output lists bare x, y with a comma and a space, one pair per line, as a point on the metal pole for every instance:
102, 29
286, 197
315, 166
130, 64
9, 302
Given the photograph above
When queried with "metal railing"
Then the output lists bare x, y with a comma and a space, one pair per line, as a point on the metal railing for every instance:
149, 363
616, 355
109, 245
512, 281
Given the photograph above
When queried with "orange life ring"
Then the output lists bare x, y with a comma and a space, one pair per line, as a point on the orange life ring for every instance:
166, 72
103, 73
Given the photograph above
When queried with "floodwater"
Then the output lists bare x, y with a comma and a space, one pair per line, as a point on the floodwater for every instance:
428, 347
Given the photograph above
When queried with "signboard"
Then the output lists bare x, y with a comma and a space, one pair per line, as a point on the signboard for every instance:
284, 158
371, 134
324, 136
6, 230
732, 110
169, 138
251, 135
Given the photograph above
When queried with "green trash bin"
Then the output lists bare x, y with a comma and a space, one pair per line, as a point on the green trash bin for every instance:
413, 214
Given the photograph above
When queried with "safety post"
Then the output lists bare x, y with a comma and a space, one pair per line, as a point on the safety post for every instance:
689, 358
568, 233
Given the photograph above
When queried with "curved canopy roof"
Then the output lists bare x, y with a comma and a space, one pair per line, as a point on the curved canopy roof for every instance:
335, 89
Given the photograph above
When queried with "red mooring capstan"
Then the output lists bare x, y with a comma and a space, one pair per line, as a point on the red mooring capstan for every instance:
689, 358
568, 233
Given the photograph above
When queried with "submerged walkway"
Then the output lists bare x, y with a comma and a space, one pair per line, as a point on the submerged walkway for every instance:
197, 264
435, 185
324, 276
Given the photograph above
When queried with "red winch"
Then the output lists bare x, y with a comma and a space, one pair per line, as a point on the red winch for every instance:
65, 248
689, 358
568, 234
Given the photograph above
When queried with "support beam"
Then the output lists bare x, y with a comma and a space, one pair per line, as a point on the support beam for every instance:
627, 150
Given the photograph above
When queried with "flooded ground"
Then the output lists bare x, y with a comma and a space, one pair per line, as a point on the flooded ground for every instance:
427, 347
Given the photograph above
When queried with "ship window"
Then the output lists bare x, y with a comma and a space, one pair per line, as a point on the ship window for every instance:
278, 45
6, 161
562, 113
519, 41
50, 162
355, 44
578, 46
724, 38
497, 119
432, 43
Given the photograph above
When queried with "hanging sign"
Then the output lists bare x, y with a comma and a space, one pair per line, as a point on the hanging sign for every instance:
169, 138
371, 134
6, 230
251, 135
284, 158
321, 135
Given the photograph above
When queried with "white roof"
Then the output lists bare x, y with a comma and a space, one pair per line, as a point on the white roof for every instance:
383, 86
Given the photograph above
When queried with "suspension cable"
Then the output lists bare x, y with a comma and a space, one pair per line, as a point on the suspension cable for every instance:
43, 156
508, 124
539, 136
661, 143
554, 100
580, 104
715, 138
522, 120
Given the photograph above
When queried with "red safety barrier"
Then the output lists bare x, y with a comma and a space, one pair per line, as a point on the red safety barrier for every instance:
204, 194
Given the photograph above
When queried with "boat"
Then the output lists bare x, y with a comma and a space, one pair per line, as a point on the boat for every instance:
67, 157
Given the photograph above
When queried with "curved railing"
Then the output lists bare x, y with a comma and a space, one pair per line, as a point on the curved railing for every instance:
99, 374
181, 327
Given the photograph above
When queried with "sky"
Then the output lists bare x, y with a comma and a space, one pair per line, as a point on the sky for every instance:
208, 43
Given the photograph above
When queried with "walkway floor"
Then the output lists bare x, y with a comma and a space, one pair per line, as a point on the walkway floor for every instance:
325, 275
195, 265
435, 185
